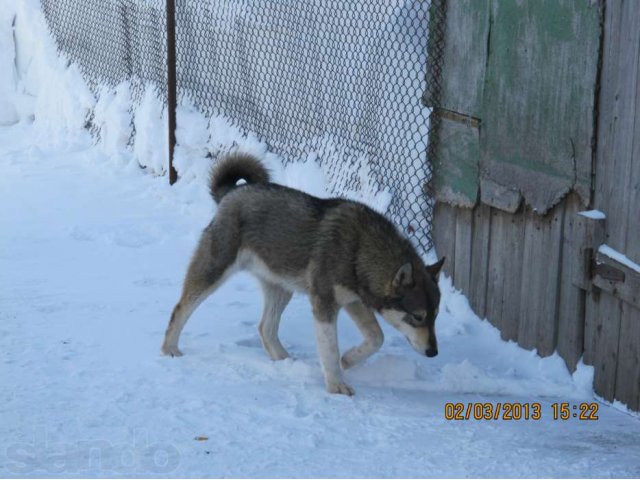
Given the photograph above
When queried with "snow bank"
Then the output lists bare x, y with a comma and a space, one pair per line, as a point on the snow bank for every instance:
48, 91
8, 77
150, 123
37, 84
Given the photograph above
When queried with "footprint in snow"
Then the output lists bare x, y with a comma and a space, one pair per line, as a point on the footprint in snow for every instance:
155, 282
133, 236
253, 342
129, 236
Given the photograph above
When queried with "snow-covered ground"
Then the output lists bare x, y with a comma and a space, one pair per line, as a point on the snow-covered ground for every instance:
92, 254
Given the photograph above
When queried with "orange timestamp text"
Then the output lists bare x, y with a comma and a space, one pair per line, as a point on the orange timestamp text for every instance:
519, 411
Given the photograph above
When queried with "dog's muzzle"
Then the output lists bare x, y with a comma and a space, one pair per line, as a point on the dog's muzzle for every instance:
431, 352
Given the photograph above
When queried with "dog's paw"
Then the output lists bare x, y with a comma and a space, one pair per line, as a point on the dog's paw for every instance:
341, 388
171, 350
277, 356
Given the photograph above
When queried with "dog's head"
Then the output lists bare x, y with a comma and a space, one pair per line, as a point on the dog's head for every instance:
411, 305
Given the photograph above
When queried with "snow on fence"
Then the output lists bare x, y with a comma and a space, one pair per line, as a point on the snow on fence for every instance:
343, 83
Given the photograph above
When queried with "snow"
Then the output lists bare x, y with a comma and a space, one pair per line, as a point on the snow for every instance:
92, 261
8, 111
619, 257
593, 214
93, 248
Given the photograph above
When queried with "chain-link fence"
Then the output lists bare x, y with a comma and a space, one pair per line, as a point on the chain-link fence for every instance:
341, 80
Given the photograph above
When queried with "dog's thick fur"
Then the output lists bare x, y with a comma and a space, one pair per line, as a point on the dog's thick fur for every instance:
341, 253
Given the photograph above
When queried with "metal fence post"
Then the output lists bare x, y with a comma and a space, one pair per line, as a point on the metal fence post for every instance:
171, 85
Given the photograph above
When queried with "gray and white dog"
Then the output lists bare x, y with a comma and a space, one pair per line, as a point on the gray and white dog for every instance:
340, 252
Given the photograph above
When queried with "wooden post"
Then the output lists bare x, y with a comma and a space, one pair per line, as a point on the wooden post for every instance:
171, 85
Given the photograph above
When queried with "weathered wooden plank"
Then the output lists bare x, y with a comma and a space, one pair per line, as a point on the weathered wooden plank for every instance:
455, 165
571, 310
530, 295
513, 271
550, 264
633, 198
616, 140
480, 258
444, 234
592, 323
465, 51
606, 337
462, 272
505, 272
588, 234
539, 290
623, 283
496, 267
608, 331
539, 139
628, 371
499, 196
607, 104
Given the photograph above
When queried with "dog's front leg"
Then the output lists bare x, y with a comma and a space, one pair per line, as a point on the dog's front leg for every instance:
326, 318
366, 322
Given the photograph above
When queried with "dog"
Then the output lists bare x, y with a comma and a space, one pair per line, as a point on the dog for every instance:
340, 252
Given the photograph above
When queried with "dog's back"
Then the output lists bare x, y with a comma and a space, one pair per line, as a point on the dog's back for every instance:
290, 231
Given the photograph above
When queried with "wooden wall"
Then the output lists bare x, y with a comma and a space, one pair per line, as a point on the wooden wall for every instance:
516, 270
539, 278
613, 317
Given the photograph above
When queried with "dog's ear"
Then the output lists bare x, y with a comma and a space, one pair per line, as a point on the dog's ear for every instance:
434, 270
403, 278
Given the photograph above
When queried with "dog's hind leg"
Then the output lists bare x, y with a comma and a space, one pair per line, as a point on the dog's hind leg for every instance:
366, 322
212, 263
276, 299
193, 294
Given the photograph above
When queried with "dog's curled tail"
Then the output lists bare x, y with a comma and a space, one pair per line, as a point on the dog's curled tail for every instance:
236, 166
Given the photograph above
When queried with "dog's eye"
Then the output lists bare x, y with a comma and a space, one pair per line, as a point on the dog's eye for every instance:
418, 319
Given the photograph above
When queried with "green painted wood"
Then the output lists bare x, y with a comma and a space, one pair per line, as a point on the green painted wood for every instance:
537, 114
455, 167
